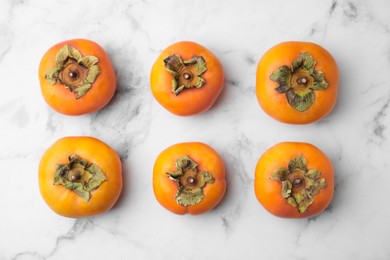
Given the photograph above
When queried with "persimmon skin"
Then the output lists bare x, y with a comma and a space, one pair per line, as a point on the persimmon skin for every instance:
275, 104
60, 98
66, 202
207, 158
268, 191
190, 101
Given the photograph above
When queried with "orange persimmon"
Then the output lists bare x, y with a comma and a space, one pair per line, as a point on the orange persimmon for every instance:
186, 78
297, 82
294, 180
80, 177
76, 77
189, 178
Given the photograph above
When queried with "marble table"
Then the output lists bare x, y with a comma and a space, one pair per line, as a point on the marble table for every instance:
355, 135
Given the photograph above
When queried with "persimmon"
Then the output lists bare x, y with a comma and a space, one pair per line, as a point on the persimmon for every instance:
297, 82
186, 78
76, 77
189, 178
294, 180
80, 177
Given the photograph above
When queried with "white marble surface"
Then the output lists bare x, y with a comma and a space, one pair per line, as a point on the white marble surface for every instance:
355, 135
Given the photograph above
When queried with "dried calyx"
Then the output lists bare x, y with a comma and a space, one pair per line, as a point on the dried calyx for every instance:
300, 81
190, 180
186, 73
299, 184
79, 176
75, 71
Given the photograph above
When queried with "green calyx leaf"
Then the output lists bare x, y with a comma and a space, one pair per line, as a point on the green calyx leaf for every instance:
173, 64
175, 174
301, 102
67, 52
299, 185
200, 82
286, 189
290, 200
282, 88
189, 197
74, 71
304, 61
300, 81
200, 65
190, 181
313, 174
206, 178
177, 90
79, 176
185, 163
297, 163
88, 61
282, 76
319, 81
317, 185
186, 73
98, 177
304, 200
280, 174
78, 189
93, 72
53, 75
82, 90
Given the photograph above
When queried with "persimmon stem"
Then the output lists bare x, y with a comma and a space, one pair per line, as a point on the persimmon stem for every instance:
74, 71
186, 73
187, 76
73, 74
191, 180
74, 176
79, 176
302, 81
297, 182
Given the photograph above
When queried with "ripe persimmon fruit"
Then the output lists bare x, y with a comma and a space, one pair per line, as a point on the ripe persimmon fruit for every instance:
294, 180
186, 78
189, 178
80, 177
76, 77
297, 82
